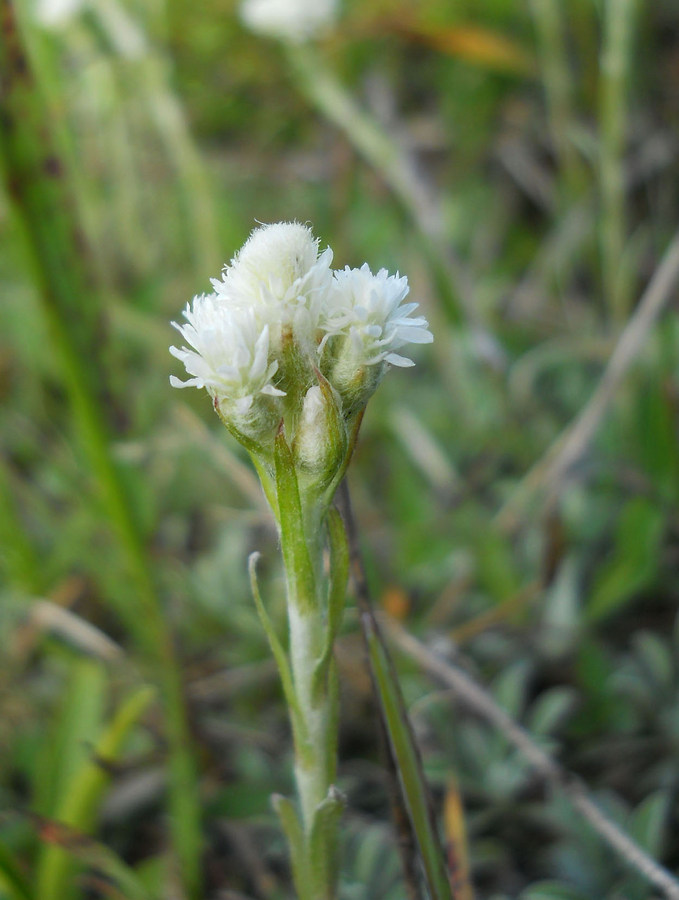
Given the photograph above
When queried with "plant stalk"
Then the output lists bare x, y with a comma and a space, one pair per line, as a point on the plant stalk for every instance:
615, 65
314, 603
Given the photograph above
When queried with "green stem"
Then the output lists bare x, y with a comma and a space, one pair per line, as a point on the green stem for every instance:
615, 65
302, 534
38, 184
20, 560
549, 24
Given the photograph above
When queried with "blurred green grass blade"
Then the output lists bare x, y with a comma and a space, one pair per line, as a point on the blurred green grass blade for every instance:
147, 73
558, 85
13, 882
634, 561
616, 62
80, 802
412, 779
17, 556
91, 855
38, 185
69, 745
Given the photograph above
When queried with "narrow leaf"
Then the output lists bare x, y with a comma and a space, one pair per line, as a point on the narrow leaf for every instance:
12, 880
298, 565
294, 832
299, 730
339, 574
83, 793
414, 786
72, 735
91, 854
323, 842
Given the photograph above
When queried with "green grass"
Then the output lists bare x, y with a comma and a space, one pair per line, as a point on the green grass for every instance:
551, 191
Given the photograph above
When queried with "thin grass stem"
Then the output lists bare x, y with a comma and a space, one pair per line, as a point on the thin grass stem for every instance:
616, 57
558, 84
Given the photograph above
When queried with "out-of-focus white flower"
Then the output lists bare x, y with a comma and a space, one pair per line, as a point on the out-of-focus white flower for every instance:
230, 355
55, 13
290, 20
368, 309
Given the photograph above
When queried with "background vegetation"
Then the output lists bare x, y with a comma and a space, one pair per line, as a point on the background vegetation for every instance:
518, 162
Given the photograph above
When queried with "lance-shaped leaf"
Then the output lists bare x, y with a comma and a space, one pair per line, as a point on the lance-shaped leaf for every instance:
323, 843
298, 566
339, 574
83, 792
406, 754
298, 727
13, 881
292, 827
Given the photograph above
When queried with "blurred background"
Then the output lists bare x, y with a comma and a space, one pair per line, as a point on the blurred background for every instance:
516, 492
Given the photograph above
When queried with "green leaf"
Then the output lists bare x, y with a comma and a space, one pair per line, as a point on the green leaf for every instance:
12, 880
415, 789
634, 560
296, 717
298, 566
323, 842
552, 890
550, 709
93, 855
496, 563
294, 832
74, 733
656, 658
80, 802
339, 575
649, 822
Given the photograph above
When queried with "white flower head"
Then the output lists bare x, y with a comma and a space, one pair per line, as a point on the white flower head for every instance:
230, 355
369, 310
289, 20
367, 322
57, 13
281, 272
284, 338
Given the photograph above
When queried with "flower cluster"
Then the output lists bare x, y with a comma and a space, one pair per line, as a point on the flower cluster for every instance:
284, 337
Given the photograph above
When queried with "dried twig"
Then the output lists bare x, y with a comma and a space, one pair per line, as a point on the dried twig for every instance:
569, 448
482, 703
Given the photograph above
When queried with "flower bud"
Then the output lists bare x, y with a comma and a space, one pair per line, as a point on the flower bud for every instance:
320, 443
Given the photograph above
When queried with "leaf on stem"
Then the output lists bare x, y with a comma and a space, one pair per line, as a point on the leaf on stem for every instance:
294, 832
323, 841
339, 574
280, 656
293, 539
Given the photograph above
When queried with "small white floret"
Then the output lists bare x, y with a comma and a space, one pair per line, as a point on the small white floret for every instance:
281, 273
368, 309
230, 355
